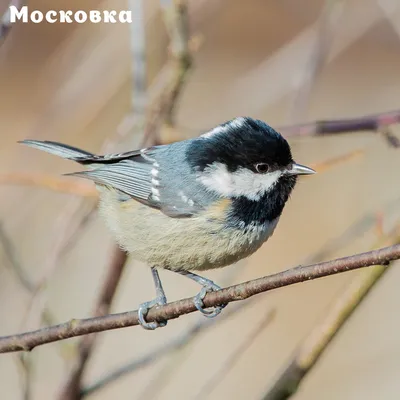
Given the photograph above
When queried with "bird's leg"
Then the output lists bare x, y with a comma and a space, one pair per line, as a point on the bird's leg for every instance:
208, 286
160, 300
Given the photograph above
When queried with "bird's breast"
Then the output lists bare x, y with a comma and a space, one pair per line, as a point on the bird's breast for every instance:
201, 242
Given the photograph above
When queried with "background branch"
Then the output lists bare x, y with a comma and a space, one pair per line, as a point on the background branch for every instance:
325, 27
29, 340
72, 389
336, 126
312, 348
234, 357
50, 182
175, 345
5, 23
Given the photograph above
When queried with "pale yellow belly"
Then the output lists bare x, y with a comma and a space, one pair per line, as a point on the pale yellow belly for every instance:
196, 243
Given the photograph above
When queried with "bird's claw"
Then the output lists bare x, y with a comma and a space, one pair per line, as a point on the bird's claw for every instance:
144, 309
198, 301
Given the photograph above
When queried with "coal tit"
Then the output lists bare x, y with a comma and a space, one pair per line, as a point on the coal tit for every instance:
197, 204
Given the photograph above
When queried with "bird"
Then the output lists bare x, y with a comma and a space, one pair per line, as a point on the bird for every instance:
192, 205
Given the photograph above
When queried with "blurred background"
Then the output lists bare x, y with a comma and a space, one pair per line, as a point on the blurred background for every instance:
179, 69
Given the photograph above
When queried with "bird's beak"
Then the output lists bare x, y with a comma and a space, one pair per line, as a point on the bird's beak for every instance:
298, 169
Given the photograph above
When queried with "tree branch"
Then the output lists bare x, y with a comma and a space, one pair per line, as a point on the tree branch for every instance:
226, 367
50, 182
72, 386
373, 122
29, 340
5, 23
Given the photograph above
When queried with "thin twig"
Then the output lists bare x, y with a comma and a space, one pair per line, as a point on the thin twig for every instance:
15, 263
16, 266
25, 364
326, 165
65, 227
77, 327
5, 23
72, 387
226, 367
311, 349
162, 114
50, 182
326, 25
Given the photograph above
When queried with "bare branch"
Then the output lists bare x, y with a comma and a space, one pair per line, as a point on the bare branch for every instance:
72, 387
17, 268
325, 26
162, 113
337, 126
25, 364
77, 327
326, 165
5, 23
311, 349
226, 367
50, 182
375, 123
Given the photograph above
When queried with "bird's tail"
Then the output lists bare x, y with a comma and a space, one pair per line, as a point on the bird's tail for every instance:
63, 150
78, 155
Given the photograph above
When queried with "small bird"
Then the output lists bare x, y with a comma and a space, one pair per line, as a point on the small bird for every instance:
196, 204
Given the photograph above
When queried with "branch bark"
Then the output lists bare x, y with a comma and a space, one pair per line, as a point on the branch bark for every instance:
77, 327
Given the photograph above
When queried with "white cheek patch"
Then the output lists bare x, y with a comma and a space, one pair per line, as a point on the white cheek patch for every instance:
242, 182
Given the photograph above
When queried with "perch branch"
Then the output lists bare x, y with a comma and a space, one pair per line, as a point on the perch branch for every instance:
309, 352
77, 327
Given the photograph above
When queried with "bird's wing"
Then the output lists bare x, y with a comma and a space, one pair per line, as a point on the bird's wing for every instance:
138, 176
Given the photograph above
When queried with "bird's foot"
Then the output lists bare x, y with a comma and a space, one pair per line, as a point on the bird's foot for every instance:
210, 286
144, 309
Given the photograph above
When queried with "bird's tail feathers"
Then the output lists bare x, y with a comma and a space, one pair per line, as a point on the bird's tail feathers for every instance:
62, 150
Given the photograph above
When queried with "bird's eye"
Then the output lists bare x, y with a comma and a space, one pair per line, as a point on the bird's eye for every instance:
262, 168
